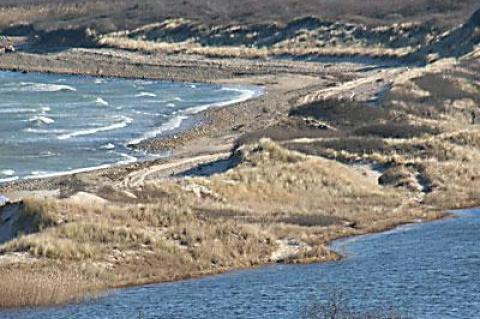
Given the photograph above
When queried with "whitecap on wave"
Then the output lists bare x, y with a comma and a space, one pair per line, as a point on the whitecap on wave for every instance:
44, 87
101, 101
41, 120
17, 110
44, 131
37, 173
128, 159
47, 154
125, 121
7, 172
108, 146
143, 82
143, 94
45, 109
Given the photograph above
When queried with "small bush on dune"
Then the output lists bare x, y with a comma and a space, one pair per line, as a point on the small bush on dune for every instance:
337, 307
36, 215
268, 151
103, 233
47, 246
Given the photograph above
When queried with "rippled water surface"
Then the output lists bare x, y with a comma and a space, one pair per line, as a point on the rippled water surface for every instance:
425, 271
56, 123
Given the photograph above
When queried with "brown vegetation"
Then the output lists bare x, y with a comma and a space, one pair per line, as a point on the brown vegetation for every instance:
250, 53
22, 286
122, 14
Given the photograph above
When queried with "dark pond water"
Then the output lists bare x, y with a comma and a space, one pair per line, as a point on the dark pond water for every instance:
51, 124
422, 270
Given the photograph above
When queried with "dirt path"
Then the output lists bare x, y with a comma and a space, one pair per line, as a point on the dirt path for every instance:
362, 89
138, 178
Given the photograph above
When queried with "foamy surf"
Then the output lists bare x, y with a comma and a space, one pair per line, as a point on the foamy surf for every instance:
127, 159
176, 122
9, 179
171, 125
108, 146
38, 173
17, 110
67, 172
246, 94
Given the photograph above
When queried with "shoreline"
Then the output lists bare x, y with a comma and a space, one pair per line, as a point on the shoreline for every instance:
219, 129
186, 120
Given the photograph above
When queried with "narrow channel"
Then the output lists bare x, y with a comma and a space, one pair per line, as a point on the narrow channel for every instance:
420, 270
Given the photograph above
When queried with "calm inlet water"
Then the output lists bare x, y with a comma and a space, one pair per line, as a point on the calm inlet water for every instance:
423, 270
50, 124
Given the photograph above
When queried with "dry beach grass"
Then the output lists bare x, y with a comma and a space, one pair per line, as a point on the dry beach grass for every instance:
249, 53
23, 287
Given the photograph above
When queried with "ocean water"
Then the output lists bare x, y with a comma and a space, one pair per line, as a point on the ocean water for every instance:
52, 124
420, 271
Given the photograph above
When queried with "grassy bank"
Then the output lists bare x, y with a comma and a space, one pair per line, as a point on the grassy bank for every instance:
277, 205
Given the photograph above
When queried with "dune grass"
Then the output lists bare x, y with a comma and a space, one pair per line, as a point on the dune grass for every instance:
247, 52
